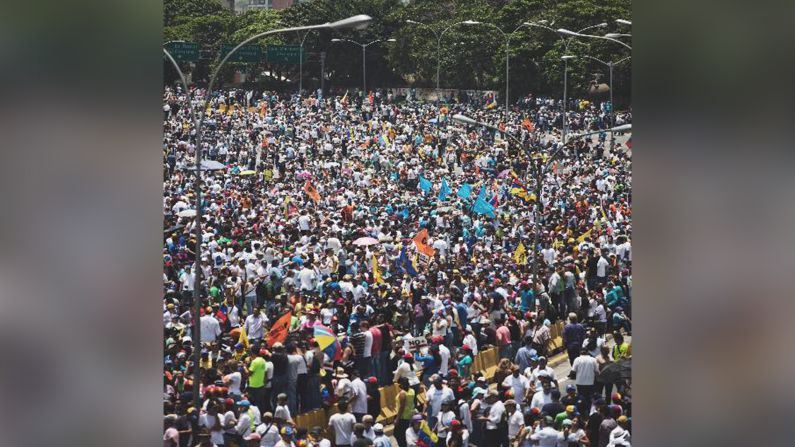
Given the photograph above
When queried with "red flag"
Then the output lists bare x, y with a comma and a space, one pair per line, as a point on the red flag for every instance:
279, 330
528, 125
371, 97
311, 191
420, 240
629, 143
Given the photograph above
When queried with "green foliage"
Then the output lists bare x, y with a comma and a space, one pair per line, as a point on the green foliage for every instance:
471, 56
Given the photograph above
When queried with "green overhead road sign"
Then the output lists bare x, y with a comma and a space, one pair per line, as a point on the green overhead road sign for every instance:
184, 51
285, 54
250, 54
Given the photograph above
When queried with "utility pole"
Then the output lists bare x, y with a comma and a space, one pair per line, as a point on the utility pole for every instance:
323, 73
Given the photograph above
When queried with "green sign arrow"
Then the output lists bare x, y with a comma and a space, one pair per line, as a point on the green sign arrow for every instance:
184, 51
250, 54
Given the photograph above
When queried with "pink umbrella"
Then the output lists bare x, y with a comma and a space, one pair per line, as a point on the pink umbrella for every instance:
365, 241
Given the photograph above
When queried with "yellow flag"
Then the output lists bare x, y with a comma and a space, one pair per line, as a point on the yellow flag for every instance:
582, 237
377, 274
243, 339
520, 255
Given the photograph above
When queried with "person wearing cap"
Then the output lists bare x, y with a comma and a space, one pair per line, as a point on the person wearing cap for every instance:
436, 395
585, 368
268, 431
609, 423
496, 430
247, 420
170, 434
515, 420
407, 370
413, 431
570, 412
316, 438
446, 416
544, 372
211, 420
282, 414
380, 439
359, 396
373, 397
342, 424
210, 328
287, 434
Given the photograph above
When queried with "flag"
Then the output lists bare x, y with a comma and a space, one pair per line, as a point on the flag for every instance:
528, 125
483, 207
278, 332
405, 264
444, 190
582, 237
344, 100
426, 437
371, 98
482, 193
376, 274
520, 255
243, 339
405, 213
464, 191
311, 191
629, 143
287, 207
492, 104
421, 241
425, 184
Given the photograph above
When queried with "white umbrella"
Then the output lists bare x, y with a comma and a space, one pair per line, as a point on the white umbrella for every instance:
365, 241
187, 213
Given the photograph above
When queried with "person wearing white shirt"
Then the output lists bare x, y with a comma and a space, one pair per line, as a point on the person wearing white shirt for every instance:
620, 436
515, 420
601, 269
268, 431
493, 435
437, 394
444, 356
542, 396
307, 276
342, 423
586, 369
519, 384
210, 327
254, 325
359, 401
546, 435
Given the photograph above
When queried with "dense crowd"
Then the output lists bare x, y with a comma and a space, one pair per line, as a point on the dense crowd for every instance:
356, 241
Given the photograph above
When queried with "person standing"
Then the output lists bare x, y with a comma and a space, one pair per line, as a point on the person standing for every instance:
405, 410
496, 422
573, 337
586, 368
342, 424
359, 400
257, 371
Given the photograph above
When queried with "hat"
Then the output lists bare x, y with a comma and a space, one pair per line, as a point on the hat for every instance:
567, 422
622, 418
619, 309
378, 428
455, 423
466, 348
408, 356
416, 418
243, 403
510, 402
570, 409
615, 397
436, 339
548, 420
170, 306
287, 430
535, 411
372, 380
340, 373
278, 345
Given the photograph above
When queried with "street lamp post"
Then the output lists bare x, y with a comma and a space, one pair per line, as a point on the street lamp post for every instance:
301, 64
356, 22
565, 59
364, 56
439, 36
610, 66
540, 169
566, 32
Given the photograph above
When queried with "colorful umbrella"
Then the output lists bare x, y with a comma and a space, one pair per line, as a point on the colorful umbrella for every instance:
324, 336
365, 241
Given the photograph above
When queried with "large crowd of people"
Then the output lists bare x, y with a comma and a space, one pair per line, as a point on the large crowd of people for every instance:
355, 241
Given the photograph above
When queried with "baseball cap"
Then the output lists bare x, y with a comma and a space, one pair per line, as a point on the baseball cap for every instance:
416, 418
567, 422
378, 428
372, 380
243, 403
570, 409
571, 387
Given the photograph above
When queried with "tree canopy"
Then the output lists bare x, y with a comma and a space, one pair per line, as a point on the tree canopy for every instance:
469, 56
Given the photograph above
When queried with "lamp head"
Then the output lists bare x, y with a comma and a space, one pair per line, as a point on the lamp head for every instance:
356, 22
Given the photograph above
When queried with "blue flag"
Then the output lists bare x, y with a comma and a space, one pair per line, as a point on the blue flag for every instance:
405, 264
405, 213
483, 207
444, 191
482, 194
465, 191
425, 184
